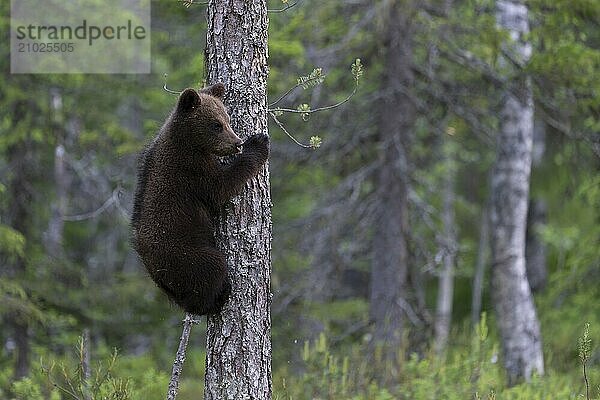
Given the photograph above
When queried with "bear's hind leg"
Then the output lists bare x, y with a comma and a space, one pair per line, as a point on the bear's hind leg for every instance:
221, 298
203, 285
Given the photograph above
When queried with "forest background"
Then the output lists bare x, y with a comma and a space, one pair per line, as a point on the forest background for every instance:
436, 76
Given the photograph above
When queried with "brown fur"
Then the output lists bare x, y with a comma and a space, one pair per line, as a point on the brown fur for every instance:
181, 187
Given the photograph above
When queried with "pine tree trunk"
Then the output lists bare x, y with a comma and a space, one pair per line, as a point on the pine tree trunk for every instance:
389, 268
515, 310
238, 359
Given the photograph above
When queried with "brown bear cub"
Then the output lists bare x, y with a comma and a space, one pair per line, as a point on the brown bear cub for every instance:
181, 187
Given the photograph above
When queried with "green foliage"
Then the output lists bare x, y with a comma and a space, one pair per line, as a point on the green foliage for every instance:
584, 345
111, 378
304, 111
27, 389
12, 243
473, 373
101, 383
357, 70
315, 142
311, 80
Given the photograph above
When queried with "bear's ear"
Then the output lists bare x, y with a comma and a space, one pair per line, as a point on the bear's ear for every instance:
216, 90
188, 99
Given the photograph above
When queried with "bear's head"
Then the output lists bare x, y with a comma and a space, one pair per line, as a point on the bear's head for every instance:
206, 122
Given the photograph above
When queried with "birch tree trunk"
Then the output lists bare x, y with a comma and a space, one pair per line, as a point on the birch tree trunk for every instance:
238, 353
446, 281
54, 235
389, 265
515, 310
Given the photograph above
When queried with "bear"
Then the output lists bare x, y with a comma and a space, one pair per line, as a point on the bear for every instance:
181, 188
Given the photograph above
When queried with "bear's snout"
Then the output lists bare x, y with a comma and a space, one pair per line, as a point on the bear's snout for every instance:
234, 140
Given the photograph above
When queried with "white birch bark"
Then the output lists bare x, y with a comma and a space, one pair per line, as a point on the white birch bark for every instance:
54, 235
445, 296
516, 315
238, 359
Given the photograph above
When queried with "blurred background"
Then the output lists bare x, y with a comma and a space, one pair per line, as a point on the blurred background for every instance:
392, 210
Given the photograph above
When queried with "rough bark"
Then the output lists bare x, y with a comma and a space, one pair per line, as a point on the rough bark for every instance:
515, 310
389, 264
238, 360
446, 280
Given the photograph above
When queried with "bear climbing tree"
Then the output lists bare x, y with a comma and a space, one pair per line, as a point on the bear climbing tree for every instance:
181, 189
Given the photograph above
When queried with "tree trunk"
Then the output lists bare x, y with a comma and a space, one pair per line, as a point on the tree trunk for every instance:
21, 332
21, 163
54, 235
238, 353
535, 248
482, 255
515, 310
389, 264
446, 281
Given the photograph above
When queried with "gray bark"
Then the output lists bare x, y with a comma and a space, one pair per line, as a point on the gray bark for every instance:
238, 359
535, 248
54, 235
482, 255
389, 265
515, 310
23, 347
21, 162
446, 280
180, 357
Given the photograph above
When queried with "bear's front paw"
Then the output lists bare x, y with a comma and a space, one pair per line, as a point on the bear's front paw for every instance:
258, 143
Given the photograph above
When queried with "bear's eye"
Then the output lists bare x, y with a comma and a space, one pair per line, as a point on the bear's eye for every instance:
216, 126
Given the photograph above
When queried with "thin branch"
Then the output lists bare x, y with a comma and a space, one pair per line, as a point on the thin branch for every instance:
315, 78
324, 108
189, 3
410, 312
66, 375
180, 356
166, 89
280, 124
284, 8
93, 214
84, 359
283, 96
587, 382
65, 391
